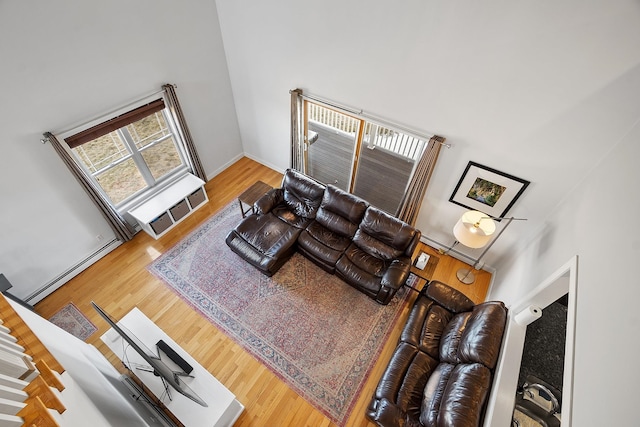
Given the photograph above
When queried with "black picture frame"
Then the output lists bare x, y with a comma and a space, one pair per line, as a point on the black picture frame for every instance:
487, 190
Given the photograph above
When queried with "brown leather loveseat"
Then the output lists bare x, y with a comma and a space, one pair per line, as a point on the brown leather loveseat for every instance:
441, 371
338, 231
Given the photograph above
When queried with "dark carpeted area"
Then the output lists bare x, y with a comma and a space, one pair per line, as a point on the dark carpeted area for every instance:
543, 355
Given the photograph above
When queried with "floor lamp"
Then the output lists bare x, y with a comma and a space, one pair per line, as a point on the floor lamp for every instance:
475, 230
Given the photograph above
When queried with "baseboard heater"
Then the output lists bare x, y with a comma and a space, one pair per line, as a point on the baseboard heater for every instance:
71, 272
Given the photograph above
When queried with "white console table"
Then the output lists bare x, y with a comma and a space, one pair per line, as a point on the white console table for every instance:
165, 209
223, 408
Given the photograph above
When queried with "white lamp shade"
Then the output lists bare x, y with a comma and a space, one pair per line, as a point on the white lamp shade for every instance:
474, 229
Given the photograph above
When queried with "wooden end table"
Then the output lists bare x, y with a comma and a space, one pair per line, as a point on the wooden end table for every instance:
427, 272
251, 195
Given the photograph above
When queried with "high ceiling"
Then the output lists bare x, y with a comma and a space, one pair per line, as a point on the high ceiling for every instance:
537, 90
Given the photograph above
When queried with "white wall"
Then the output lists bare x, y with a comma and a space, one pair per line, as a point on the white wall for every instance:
68, 61
546, 91
595, 221
522, 87
93, 394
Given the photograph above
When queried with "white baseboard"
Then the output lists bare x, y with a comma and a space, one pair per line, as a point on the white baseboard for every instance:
211, 174
267, 164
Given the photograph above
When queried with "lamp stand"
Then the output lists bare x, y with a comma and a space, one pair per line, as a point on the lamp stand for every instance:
466, 276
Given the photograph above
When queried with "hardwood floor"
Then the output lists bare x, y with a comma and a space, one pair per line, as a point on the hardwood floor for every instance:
120, 281
444, 269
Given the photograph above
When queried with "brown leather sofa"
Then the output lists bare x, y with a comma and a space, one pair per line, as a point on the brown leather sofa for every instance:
441, 371
338, 231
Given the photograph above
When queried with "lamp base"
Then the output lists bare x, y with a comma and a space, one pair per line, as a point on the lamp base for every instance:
466, 276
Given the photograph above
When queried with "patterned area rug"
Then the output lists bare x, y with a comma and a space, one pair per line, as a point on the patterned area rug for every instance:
318, 334
73, 321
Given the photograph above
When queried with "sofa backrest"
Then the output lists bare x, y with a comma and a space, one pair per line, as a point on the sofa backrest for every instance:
301, 193
431, 314
426, 334
384, 236
455, 395
474, 336
482, 338
341, 212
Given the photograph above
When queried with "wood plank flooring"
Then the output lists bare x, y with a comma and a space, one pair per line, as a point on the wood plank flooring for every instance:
120, 281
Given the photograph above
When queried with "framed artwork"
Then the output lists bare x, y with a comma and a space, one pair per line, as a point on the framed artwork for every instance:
487, 190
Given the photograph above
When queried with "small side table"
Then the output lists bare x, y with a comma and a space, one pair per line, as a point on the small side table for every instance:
251, 195
427, 272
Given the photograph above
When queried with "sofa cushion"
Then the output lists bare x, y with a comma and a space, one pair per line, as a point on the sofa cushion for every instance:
328, 238
451, 336
341, 212
287, 215
374, 247
356, 276
270, 200
405, 378
264, 241
455, 395
376, 277
393, 236
322, 245
479, 342
374, 266
433, 392
302, 195
471, 337
335, 223
425, 326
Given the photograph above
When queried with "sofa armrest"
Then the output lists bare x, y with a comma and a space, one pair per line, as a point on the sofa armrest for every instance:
411, 248
397, 273
393, 279
270, 200
387, 414
448, 297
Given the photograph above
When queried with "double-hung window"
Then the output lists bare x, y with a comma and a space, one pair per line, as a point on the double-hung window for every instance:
131, 153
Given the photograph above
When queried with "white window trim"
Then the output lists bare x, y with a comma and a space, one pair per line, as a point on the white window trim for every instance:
503, 395
161, 184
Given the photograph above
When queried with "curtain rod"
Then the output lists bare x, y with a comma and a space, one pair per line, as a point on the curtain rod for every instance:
361, 113
44, 140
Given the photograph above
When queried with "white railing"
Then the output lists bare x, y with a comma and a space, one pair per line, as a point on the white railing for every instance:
394, 141
26, 398
375, 135
333, 118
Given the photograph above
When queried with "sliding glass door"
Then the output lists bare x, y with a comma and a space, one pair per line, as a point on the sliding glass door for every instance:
369, 160
333, 138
